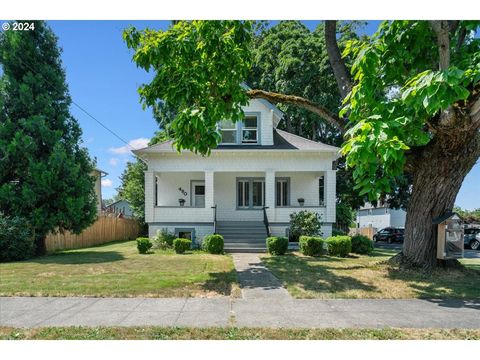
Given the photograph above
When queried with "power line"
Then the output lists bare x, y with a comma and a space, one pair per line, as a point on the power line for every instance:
84, 111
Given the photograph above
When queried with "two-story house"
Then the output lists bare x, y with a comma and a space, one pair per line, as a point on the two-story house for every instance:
246, 189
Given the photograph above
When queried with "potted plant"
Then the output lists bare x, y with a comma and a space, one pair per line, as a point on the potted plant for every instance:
301, 201
181, 202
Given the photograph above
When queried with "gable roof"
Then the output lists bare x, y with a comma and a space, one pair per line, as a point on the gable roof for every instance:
282, 140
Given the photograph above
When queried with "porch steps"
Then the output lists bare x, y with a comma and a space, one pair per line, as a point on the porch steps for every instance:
243, 236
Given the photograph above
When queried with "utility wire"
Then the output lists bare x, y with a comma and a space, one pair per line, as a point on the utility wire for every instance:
84, 111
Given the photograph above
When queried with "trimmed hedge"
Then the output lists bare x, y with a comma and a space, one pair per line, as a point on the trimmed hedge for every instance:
311, 245
339, 245
16, 239
361, 244
143, 245
181, 245
277, 245
213, 244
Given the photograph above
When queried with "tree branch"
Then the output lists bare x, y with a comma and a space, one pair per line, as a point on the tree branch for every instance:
300, 102
340, 71
442, 29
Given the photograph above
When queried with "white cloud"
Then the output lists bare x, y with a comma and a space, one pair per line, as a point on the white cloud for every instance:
107, 183
113, 161
132, 144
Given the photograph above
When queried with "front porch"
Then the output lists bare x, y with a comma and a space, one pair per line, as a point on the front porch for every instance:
193, 198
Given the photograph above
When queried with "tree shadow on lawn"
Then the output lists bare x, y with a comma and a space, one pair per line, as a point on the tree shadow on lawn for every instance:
80, 257
311, 275
440, 283
220, 282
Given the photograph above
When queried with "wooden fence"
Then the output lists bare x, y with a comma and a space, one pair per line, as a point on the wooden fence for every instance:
365, 231
105, 229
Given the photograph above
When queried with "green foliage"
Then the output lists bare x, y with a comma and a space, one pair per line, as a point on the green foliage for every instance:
398, 90
304, 222
277, 245
468, 216
345, 215
339, 245
337, 232
311, 245
143, 245
213, 244
45, 174
361, 244
199, 67
163, 239
16, 239
181, 245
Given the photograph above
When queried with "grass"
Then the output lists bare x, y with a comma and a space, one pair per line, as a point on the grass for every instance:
161, 333
369, 277
118, 270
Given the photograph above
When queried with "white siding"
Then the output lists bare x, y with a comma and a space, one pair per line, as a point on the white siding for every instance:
200, 230
169, 184
266, 120
397, 217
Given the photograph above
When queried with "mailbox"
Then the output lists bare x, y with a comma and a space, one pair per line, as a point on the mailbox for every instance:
449, 236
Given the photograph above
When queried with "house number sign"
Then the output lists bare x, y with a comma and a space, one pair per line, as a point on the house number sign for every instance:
184, 193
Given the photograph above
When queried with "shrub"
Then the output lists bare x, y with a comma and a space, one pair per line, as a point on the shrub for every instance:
311, 245
339, 245
306, 223
337, 232
16, 239
213, 244
277, 245
181, 245
163, 239
143, 245
361, 244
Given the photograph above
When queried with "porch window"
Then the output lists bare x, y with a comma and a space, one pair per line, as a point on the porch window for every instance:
250, 193
321, 191
282, 195
249, 129
229, 132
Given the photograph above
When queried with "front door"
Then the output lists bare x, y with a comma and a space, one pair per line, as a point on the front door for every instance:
198, 193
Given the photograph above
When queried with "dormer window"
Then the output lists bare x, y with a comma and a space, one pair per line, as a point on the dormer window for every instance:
242, 132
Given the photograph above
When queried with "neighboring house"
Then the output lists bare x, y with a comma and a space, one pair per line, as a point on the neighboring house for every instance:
98, 187
255, 166
380, 217
120, 207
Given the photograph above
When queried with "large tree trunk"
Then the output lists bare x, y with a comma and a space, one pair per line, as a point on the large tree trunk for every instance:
438, 173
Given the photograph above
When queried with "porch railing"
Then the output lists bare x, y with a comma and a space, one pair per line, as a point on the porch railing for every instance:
214, 207
265, 220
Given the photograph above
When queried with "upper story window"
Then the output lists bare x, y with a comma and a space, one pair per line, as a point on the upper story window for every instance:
242, 132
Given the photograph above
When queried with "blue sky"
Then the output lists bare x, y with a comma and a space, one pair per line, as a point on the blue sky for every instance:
104, 80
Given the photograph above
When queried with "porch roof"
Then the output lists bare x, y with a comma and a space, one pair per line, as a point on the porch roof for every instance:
282, 140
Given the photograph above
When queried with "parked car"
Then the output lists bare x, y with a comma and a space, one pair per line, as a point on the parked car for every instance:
390, 235
471, 238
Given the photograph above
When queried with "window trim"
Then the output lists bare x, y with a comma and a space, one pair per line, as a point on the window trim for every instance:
186, 229
321, 203
287, 180
250, 192
239, 127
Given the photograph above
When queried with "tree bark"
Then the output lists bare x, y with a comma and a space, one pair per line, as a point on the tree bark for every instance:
438, 174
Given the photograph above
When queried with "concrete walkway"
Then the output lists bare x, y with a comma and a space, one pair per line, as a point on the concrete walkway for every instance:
260, 312
256, 281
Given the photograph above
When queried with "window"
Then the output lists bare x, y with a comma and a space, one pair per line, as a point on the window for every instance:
229, 132
249, 129
242, 132
185, 233
282, 196
321, 191
250, 193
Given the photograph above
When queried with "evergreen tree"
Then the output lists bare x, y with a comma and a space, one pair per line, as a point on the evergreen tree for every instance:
45, 174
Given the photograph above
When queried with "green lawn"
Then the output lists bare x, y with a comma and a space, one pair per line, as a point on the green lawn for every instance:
161, 333
117, 270
366, 277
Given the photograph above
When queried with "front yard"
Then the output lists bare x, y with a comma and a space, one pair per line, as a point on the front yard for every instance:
118, 270
368, 277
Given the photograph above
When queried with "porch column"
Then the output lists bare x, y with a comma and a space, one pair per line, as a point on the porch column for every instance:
330, 195
270, 193
149, 195
209, 195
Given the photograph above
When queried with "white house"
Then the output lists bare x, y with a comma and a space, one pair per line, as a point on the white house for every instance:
380, 217
120, 207
254, 178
